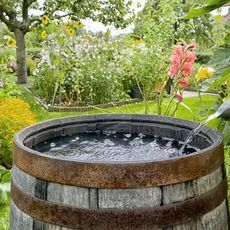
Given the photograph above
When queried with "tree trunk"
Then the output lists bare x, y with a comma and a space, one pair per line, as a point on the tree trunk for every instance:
21, 56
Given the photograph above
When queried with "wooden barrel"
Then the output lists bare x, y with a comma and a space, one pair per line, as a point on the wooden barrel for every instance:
187, 192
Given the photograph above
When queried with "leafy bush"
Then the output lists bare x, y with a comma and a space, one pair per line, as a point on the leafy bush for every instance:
79, 70
15, 114
9, 89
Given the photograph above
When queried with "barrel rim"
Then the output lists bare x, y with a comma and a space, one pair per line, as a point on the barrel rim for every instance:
117, 174
21, 135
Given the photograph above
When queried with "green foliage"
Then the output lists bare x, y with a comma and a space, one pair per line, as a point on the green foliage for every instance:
149, 60
209, 6
156, 22
79, 70
170, 13
221, 63
5, 217
9, 89
203, 58
221, 31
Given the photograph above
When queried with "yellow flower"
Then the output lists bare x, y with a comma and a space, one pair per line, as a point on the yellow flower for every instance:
68, 25
11, 43
137, 41
43, 35
45, 20
70, 32
204, 72
79, 25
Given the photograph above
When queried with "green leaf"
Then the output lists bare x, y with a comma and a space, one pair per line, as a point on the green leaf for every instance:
208, 7
6, 177
222, 79
214, 2
185, 106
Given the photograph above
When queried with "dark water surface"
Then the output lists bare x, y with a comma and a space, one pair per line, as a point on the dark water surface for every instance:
108, 146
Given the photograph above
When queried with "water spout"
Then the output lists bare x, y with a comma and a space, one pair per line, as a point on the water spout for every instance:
223, 111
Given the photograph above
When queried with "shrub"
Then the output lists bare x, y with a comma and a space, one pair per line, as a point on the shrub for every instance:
8, 89
84, 69
15, 114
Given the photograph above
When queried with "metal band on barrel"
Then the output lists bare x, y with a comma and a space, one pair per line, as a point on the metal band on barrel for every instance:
103, 219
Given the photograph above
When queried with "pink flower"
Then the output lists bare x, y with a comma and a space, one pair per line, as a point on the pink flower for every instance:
182, 60
12, 65
190, 57
187, 68
179, 98
184, 82
174, 69
179, 50
176, 59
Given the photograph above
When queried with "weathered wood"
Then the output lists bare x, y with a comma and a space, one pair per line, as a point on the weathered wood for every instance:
217, 219
192, 225
182, 191
93, 198
118, 198
18, 219
179, 192
24, 181
129, 198
208, 182
69, 195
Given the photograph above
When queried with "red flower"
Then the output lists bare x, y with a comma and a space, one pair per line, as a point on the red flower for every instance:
184, 82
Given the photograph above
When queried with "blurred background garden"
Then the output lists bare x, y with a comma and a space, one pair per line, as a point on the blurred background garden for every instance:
57, 54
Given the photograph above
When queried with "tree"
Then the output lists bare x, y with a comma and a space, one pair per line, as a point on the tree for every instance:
198, 28
16, 15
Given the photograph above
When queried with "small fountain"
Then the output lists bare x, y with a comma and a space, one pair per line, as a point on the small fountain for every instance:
118, 171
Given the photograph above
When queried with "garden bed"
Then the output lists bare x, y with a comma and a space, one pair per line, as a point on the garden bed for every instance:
81, 108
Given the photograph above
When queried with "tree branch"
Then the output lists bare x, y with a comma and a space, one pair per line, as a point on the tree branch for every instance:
25, 8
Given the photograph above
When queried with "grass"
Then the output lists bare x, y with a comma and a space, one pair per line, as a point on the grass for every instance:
4, 217
42, 114
193, 103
